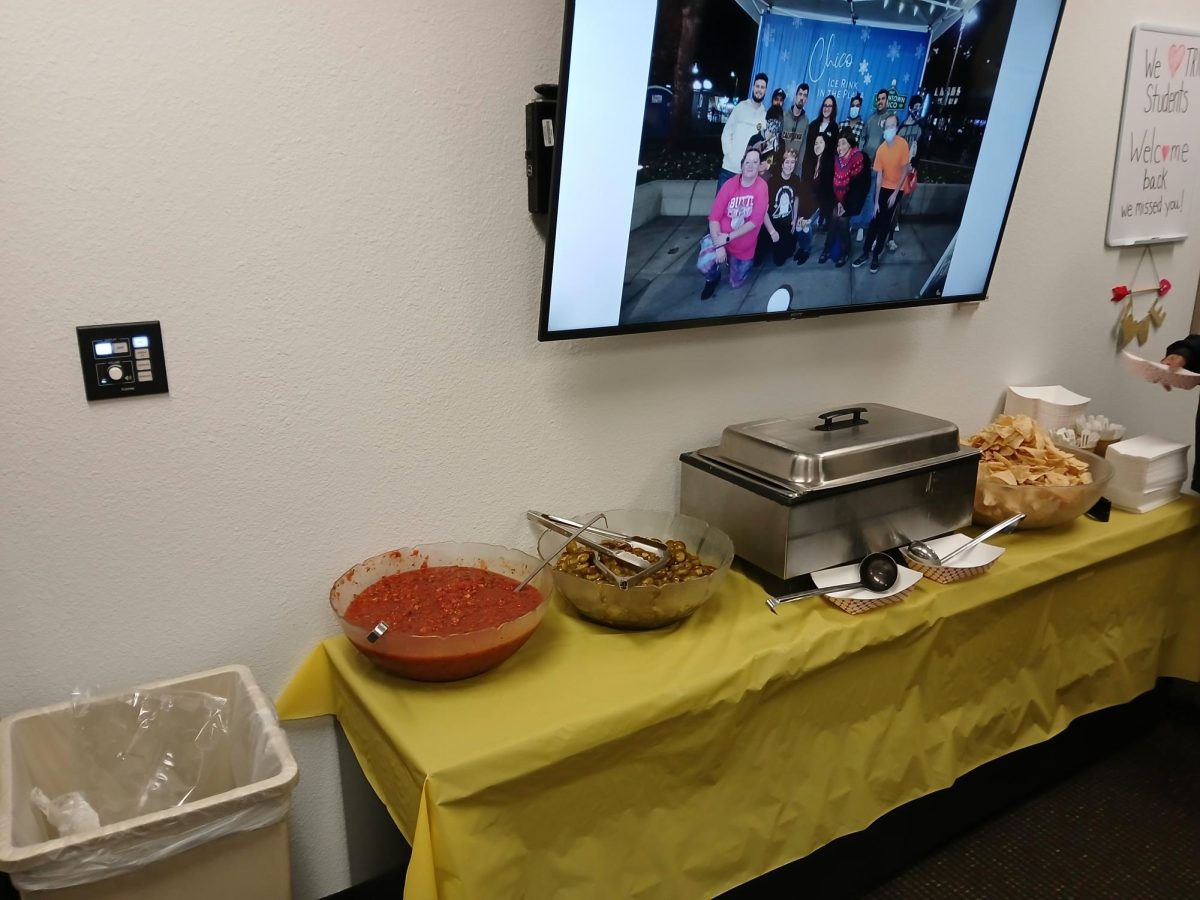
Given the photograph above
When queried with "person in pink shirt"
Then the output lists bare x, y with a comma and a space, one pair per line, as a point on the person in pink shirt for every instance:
737, 214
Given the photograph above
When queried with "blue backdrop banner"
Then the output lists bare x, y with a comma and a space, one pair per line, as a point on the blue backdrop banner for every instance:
840, 58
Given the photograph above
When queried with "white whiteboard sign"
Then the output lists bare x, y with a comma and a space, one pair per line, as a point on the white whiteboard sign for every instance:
1156, 180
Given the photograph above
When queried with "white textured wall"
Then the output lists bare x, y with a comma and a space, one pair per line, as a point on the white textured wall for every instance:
325, 206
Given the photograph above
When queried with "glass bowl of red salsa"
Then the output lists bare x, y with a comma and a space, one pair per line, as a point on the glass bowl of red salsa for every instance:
451, 609
645, 606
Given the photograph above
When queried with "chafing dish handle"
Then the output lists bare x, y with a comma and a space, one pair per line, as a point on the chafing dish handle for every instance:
829, 425
759, 484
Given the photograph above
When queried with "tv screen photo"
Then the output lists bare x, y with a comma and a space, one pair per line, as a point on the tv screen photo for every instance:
719, 163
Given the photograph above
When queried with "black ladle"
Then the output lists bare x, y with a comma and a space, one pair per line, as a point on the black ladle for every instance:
877, 572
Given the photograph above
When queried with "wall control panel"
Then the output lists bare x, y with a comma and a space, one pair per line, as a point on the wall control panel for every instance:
124, 360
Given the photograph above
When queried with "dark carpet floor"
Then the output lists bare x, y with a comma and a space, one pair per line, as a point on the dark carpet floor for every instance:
1127, 826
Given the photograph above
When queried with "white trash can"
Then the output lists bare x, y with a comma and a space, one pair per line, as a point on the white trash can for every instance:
210, 821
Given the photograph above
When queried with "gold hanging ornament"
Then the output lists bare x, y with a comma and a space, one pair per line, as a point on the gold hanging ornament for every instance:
1128, 327
1157, 313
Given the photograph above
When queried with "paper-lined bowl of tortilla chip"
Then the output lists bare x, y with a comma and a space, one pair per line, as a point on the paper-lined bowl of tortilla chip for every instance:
1023, 470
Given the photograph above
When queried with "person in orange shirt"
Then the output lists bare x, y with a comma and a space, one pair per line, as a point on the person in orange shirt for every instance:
892, 164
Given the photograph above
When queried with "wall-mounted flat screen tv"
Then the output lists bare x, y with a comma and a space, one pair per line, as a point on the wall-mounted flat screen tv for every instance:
724, 161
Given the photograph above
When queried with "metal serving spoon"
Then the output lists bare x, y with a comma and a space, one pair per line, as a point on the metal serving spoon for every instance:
926, 555
877, 572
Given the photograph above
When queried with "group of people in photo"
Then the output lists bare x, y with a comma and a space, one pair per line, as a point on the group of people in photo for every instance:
786, 179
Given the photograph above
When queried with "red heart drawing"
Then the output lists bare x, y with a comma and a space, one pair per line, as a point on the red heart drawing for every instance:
1120, 292
1166, 152
1175, 57
1163, 287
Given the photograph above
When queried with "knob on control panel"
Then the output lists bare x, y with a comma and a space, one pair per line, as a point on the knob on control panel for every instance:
115, 372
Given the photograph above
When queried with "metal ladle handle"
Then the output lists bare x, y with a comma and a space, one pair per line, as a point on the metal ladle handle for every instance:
773, 602
1006, 525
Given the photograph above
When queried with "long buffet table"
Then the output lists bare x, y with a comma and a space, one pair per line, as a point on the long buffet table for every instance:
682, 762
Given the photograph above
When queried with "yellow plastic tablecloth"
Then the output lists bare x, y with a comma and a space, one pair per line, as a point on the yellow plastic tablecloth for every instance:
684, 761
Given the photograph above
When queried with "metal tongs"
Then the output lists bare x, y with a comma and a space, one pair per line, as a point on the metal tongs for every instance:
580, 534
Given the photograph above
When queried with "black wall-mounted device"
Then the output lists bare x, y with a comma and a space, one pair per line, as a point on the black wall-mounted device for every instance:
123, 360
539, 145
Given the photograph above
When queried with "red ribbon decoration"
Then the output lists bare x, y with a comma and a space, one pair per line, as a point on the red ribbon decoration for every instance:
1121, 291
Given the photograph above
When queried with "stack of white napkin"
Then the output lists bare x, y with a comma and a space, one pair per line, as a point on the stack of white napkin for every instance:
1147, 472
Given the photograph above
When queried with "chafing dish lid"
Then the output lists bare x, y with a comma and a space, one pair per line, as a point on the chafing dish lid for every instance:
839, 446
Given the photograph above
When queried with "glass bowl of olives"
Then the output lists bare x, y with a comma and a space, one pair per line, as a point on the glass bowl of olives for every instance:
699, 559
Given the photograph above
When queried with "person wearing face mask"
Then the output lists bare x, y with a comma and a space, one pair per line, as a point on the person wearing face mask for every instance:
854, 125
872, 137
747, 123
854, 122
737, 214
1185, 354
891, 165
910, 129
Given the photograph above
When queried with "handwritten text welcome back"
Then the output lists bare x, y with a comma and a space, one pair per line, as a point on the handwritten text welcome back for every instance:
1164, 161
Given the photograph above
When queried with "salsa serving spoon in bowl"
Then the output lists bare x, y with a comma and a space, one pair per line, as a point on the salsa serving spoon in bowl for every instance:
877, 572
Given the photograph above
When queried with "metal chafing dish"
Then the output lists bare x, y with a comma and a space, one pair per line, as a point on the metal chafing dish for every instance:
797, 495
